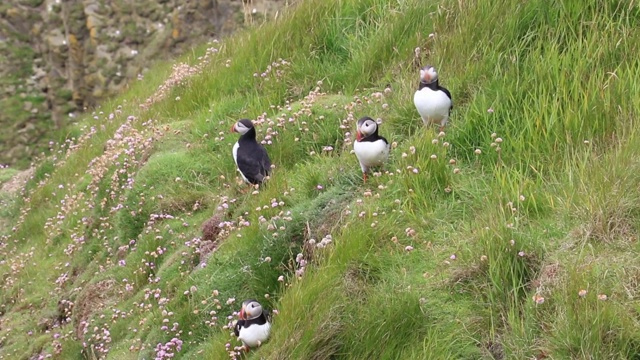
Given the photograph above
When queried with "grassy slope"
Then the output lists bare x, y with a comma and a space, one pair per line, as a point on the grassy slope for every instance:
108, 258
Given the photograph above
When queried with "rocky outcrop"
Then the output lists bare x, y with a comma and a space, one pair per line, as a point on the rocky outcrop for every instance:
58, 57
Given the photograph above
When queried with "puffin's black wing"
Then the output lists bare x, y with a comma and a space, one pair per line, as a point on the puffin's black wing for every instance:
266, 314
239, 325
448, 95
253, 162
266, 162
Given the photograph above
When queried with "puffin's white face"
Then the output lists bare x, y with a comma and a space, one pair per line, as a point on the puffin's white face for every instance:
250, 310
240, 128
367, 128
428, 74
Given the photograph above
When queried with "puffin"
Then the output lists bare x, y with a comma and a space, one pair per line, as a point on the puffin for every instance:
371, 149
432, 101
251, 158
253, 326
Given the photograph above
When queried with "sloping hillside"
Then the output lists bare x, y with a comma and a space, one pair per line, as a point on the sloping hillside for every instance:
512, 235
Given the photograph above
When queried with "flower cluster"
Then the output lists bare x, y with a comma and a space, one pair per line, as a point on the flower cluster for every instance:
324, 242
273, 71
168, 349
180, 74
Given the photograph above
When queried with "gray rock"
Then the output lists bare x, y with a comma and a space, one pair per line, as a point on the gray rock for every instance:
86, 50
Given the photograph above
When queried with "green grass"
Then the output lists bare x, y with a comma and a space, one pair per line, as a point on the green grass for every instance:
7, 174
527, 248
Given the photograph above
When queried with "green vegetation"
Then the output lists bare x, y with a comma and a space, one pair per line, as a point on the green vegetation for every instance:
514, 235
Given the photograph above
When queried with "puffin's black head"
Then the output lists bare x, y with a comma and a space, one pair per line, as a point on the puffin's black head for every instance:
366, 126
251, 309
242, 126
428, 74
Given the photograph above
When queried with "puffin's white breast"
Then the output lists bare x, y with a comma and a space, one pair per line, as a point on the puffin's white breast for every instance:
432, 104
236, 146
235, 152
371, 153
254, 334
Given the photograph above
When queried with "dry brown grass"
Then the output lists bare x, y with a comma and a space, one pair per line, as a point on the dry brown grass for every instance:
549, 277
210, 237
16, 183
630, 282
93, 299
612, 225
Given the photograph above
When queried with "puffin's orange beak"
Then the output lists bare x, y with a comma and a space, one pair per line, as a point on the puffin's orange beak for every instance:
241, 316
358, 135
233, 128
427, 76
